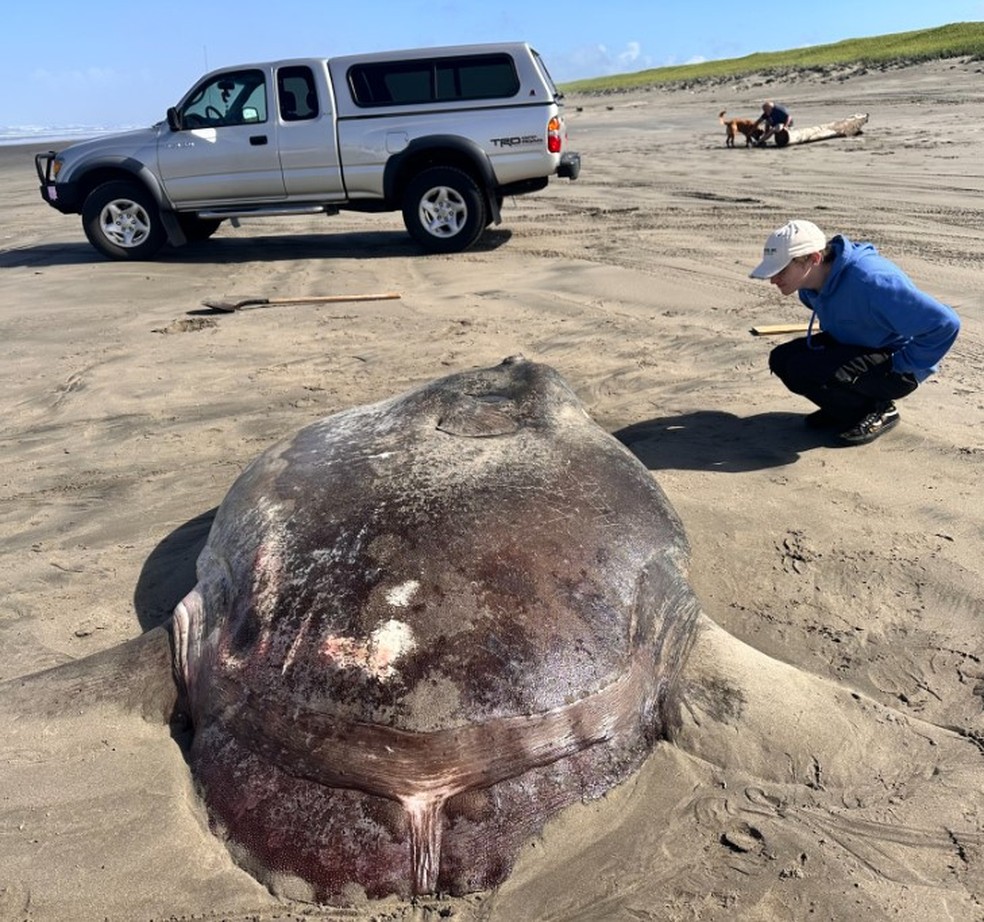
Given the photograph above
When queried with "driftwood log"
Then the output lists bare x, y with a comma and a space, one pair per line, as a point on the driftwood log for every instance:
844, 128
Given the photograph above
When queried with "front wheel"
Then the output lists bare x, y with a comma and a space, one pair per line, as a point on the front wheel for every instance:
122, 221
444, 210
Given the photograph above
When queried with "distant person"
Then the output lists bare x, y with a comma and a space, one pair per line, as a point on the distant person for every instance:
881, 336
775, 118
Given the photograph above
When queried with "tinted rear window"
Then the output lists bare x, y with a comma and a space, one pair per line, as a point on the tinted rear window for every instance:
405, 83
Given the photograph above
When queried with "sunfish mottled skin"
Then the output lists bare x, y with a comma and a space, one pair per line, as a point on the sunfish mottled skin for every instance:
422, 627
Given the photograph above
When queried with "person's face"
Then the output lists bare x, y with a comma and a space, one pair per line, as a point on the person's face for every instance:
795, 276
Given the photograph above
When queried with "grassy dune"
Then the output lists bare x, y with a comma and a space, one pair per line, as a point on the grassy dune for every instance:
960, 39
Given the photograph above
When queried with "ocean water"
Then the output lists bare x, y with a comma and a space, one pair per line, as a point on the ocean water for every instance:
30, 134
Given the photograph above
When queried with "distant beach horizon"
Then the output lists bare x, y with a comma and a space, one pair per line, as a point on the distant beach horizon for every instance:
29, 134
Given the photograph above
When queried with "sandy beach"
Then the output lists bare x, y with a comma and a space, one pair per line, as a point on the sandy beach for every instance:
129, 409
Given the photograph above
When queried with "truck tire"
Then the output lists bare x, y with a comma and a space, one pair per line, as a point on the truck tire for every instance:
122, 221
444, 210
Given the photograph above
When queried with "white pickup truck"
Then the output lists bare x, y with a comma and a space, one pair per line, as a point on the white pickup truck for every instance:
441, 134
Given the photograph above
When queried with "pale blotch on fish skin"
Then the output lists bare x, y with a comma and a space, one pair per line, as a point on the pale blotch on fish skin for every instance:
401, 596
268, 573
268, 564
377, 655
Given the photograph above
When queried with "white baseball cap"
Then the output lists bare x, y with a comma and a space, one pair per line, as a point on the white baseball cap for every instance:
797, 238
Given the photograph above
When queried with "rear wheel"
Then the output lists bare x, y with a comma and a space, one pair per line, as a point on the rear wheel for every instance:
122, 221
444, 210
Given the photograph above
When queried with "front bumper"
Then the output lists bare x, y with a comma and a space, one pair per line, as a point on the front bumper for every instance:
61, 196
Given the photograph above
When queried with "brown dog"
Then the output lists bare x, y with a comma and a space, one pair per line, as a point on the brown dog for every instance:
746, 126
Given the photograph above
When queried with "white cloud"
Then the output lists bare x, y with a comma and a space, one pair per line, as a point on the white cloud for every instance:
90, 77
598, 61
632, 53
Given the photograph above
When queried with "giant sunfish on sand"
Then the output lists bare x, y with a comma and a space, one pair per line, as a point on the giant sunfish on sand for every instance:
423, 627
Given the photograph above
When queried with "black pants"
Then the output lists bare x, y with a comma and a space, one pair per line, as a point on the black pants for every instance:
847, 381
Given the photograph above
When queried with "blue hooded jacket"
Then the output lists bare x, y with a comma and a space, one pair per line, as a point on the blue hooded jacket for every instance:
867, 300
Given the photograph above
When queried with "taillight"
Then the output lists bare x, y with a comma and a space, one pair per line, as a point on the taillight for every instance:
555, 138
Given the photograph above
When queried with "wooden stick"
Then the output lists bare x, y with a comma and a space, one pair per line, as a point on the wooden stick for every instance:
773, 329
241, 303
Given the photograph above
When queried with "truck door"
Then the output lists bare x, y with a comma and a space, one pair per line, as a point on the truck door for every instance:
226, 148
308, 146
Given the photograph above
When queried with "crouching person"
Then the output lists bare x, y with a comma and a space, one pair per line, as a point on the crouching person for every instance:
879, 336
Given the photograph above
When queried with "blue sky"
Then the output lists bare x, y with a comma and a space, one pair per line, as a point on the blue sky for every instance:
110, 64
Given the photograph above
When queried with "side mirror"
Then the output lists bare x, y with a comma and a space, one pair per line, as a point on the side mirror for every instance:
174, 119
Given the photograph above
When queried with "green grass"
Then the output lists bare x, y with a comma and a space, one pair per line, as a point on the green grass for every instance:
956, 40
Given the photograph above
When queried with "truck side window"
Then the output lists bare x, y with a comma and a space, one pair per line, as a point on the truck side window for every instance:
232, 98
296, 94
394, 83
477, 78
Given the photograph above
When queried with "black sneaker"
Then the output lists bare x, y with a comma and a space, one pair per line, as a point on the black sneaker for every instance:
869, 427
